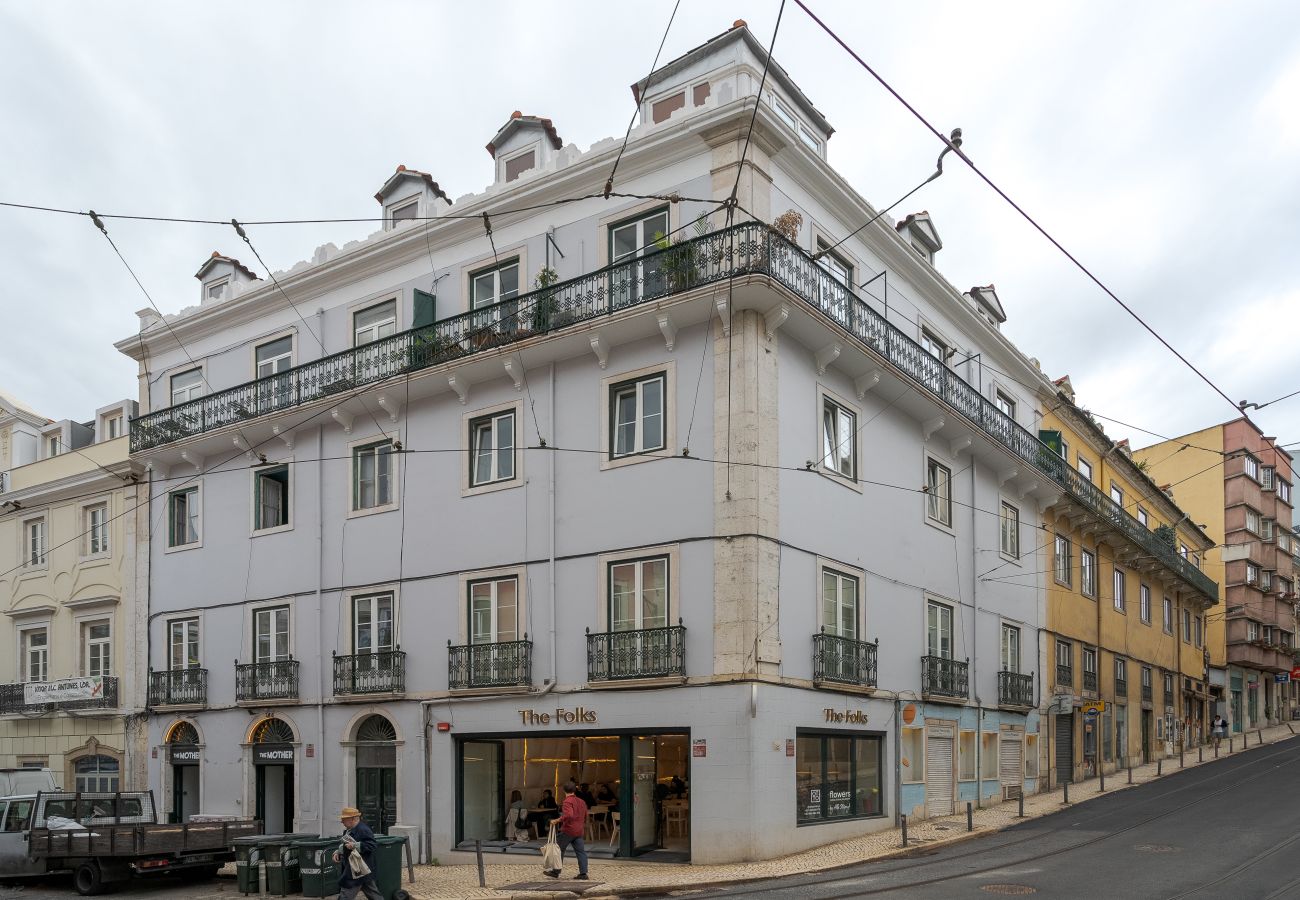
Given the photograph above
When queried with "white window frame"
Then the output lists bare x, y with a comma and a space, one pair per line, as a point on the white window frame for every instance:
1144, 604
24, 633
1283, 490
1004, 401
35, 547
1252, 521
1119, 590
669, 372
533, 150
933, 648
1252, 574
1117, 495
53, 444
1087, 585
933, 494
190, 391
471, 422
605, 561
194, 619
251, 623
98, 536
1187, 625
1250, 466
255, 494
466, 579
86, 645
196, 492
1267, 477
1067, 570
1009, 544
394, 475
842, 574
494, 268
493, 584
1005, 658
1085, 468
113, 424
377, 328
290, 358
219, 285
391, 211
1143, 518
350, 612
827, 398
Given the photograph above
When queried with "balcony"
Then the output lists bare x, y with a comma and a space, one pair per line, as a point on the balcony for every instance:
1015, 689
1121, 687
500, 665
942, 677
1090, 681
1064, 676
266, 681
383, 672
178, 687
748, 249
841, 660
13, 696
1147, 693
1258, 654
646, 653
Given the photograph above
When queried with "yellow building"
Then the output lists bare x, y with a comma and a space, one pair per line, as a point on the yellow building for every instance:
71, 682
1126, 607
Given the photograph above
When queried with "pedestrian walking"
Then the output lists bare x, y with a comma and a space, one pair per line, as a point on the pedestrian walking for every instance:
572, 825
1219, 728
356, 857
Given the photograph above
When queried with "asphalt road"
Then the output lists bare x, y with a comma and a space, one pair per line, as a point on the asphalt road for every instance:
1228, 829
60, 888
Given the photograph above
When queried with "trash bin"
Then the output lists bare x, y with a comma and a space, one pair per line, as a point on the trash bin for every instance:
248, 858
281, 861
390, 862
316, 865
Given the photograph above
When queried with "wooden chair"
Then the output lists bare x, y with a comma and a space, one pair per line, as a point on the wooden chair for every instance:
613, 832
596, 822
676, 817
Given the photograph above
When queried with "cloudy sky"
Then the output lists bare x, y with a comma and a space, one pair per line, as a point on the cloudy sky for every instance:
1156, 140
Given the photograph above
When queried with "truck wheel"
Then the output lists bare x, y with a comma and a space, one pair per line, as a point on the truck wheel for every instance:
88, 879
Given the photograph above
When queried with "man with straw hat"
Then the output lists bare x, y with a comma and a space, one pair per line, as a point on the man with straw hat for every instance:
356, 857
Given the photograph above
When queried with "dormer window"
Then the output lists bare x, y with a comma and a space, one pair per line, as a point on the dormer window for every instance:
923, 252
216, 290
113, 427
405, 211
520, 163
52, 445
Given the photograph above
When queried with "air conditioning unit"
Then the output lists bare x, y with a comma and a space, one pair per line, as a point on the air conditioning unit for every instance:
1011, 791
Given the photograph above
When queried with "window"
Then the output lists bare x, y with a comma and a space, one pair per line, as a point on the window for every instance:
1167, 615
938, 501
1146, 681
1168, 688
36, 654
661, 110
637, 416
938, 630
96, 773
1199, 633
1252, 574
183, 644
1144, 604
19, 816
1267, 528
187, 386
833, 291
96, 648
1266, 476
1250, 466
1121, 676
1121, 603
492, 448
96, 527
839, 604
1284, 491
839, 439
1252, 631
1116, 495
638, 594
405, 211
1090, 667
989, 755
1187, 626
1065, 450
1252, 521
374, 323
1064, 663
494, 611
1010, 655
912, 755
494, 285
1088, 573
372, 476
966, 756
1182, 550
811, 140
1266, 580
1283, 585
1010, 530
52, 445
274, 357
372, 624
1283, 540
1085, 469
1143, 518
1005, 403
629, 242
1031, 756
35, 542
271, 498
837, 777
271, 634
113, 427
1063, 562
783, 112
216, 289
183, 517
934, 345
521, 163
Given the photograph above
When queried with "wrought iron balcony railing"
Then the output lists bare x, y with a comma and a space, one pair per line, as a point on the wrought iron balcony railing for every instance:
1146, 693
745, 249
1015, 689
13, 699
383, 672
504, 664
943, 677
1090, 681
267, 680
178, 687
644, 653
844, 660
1121, 688
1065, 676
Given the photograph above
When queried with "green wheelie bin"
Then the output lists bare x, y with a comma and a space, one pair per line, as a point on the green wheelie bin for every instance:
281, 861
320, 873
248, 858
389, 864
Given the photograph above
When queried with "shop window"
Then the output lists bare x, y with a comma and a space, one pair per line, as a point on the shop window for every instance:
989, 755
96, 773
837, 777
912, 760
966, 756
1031, 755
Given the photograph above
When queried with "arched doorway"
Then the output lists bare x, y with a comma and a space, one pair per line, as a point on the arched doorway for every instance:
273, 759
184, 756
376, 754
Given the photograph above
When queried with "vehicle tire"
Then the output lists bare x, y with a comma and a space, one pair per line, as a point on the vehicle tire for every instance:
88, 879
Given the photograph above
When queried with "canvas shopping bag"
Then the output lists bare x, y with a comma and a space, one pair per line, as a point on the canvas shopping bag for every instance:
551, 861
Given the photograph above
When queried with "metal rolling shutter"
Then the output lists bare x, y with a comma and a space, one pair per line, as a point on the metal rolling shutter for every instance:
1064, 748
1011, 751
940, 789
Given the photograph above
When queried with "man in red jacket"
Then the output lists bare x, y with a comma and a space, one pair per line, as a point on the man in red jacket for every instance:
573, 824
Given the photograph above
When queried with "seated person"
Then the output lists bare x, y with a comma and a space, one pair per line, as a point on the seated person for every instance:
585, 795
517, 818
546, 807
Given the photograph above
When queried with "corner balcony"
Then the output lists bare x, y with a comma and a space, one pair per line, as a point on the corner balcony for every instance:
383, 672
633, 655
844, 661
63, 695
1260, 655
943, 678
507, 664
742, 252
276, 680
178, 687
1015, 689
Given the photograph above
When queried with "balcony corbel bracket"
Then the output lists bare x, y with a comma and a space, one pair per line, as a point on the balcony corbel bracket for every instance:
961, 444
1028, 488
827, 355
722, 305
1006, 475
775, 318
343, 417
460, 384
514, 367
863, 384
668, 329
930, 426
391, 405
600, 347
241, 444
193, 459
283, 434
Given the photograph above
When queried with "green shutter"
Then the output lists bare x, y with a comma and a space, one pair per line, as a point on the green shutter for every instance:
424, 309
1052, 439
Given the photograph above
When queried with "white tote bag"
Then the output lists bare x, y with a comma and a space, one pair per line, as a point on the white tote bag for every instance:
551, 860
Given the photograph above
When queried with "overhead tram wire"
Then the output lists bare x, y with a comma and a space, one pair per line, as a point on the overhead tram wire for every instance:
609, 182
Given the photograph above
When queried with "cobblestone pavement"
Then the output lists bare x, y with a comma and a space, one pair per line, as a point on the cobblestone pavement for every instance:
614, 878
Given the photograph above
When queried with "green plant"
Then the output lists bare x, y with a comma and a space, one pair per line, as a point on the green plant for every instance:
545, 307
681, 263
1143, 466
788, 225
1165, 534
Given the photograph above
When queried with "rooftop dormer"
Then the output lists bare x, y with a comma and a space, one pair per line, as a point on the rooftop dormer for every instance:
410, 195
523, 144
986, 303
222, 277
730, 67
919, 232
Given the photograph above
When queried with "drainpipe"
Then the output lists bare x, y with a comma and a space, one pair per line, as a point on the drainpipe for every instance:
974, 653
898, 760
551, 500
148, 601
320, 611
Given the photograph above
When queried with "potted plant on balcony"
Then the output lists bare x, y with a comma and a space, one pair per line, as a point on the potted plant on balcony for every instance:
680, 265
545, 306
1165, 534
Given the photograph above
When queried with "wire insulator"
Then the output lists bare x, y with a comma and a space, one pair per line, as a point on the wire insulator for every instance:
609, 186
239, 229
487, 224
98, 222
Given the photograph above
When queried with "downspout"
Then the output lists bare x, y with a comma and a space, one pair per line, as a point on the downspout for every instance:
428, 786
148, 601
898, 761
1178, 675
551, 500
320, 611
974, 653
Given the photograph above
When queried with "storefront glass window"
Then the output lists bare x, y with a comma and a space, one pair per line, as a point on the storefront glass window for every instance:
837, 777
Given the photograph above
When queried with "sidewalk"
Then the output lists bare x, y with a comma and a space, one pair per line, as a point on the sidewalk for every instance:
626, 877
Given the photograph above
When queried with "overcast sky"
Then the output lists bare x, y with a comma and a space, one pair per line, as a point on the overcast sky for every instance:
1157, 140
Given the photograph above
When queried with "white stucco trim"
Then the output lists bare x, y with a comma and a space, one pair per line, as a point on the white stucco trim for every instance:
605, 560
395, 489
467, 445
519, 573
253, 473
669, 370
346, 611
825, 393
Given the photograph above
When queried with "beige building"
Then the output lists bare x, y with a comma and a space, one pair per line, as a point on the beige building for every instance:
71, 671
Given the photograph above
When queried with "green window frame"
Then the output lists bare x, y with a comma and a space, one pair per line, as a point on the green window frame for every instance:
183, 517
272, 506
372, 475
